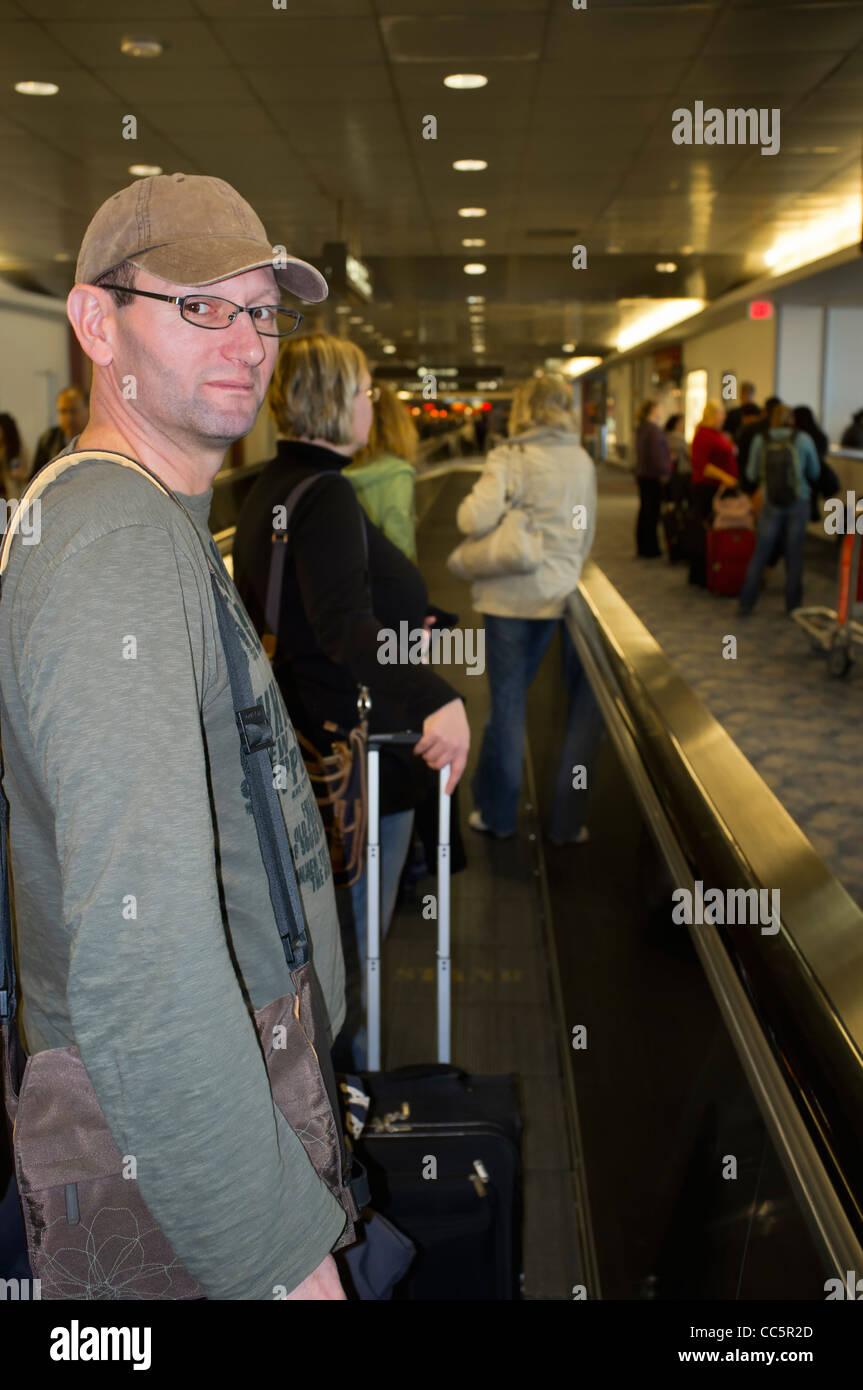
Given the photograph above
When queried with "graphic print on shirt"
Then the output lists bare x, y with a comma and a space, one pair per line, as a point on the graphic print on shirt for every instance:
302, 817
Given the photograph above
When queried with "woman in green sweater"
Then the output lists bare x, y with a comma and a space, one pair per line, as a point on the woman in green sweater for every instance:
383, 472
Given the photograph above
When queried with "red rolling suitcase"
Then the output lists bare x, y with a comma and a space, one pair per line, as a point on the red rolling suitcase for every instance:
728, 554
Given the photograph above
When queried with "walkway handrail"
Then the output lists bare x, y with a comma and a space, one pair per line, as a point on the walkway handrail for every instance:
793, 1000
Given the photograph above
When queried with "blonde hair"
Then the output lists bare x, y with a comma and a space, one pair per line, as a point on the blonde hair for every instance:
314, 388
392, 432
542, 400
712, 415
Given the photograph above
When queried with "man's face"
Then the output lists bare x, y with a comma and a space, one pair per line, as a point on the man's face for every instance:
71, 413
189, 381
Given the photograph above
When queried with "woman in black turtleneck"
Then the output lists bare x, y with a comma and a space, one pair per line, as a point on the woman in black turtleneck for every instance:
335, 601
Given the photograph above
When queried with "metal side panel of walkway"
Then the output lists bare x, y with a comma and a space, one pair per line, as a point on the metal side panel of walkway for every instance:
506, 1012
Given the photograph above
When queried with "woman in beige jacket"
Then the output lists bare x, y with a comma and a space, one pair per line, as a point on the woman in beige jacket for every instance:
544, 471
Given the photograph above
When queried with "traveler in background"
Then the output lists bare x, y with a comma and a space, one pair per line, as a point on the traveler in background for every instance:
714, 462
344, 583
828, 482
852, 435
73, 407
681, 463
544, 470
652, 468
383, 474
11, 480
741, 414
784, 463
757, 425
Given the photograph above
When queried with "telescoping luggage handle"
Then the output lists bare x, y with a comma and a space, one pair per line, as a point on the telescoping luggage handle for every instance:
373, 905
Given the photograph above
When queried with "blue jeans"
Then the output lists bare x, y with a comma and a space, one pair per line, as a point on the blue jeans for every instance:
396, 832
790, 521
514, 649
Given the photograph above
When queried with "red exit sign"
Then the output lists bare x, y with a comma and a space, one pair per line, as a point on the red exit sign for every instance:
760, 309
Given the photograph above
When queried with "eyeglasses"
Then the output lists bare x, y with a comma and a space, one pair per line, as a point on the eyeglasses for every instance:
373, 393
208, 311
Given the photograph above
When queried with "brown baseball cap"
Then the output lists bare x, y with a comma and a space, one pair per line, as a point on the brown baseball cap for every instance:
191, 229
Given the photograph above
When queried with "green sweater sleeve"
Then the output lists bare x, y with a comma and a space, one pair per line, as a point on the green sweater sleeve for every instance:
112, 660
399, 518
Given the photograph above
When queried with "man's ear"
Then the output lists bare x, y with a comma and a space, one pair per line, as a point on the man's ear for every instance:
92, 314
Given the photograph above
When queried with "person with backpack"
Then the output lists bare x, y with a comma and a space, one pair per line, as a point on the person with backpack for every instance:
785, 462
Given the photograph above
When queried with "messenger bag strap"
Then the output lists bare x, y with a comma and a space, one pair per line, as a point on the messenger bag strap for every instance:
7, 954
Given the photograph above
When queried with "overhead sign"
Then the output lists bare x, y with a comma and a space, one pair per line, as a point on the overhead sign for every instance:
760, 309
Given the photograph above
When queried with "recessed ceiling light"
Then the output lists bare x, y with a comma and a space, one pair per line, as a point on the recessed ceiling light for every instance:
343, 309
476, 299
145, 171
474, 268
37, 89
479, 347
141, 48
473, 241
465, 81
355, 318
389, 347
368, 328
567, 347
471, 212
686, 250
666, 267
470, 166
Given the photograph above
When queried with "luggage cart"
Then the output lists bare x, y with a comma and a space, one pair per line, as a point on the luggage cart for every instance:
836, 630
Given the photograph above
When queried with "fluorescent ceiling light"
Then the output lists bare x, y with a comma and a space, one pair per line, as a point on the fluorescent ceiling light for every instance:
145, 171
567, 347
666, 267
470, 166
465, 81
476, 299
141, 48
389, 348
820, 238
472, 212
37, 89
577, 366
473, 241
474, 268
663, 315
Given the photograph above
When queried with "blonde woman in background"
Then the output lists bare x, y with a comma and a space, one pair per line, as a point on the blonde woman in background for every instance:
343, 584
543, 470
383, 473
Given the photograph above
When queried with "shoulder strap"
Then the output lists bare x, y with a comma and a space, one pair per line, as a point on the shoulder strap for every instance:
279, 539
278, 551
256, 738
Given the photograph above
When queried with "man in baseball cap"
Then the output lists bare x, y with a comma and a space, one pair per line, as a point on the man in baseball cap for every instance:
145, 930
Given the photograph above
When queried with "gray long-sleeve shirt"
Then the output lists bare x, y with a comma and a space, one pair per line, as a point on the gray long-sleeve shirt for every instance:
144, 924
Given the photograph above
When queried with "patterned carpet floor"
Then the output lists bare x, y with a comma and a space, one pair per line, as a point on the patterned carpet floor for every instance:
798, 726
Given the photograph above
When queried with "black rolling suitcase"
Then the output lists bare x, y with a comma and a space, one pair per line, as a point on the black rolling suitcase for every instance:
442, 1148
